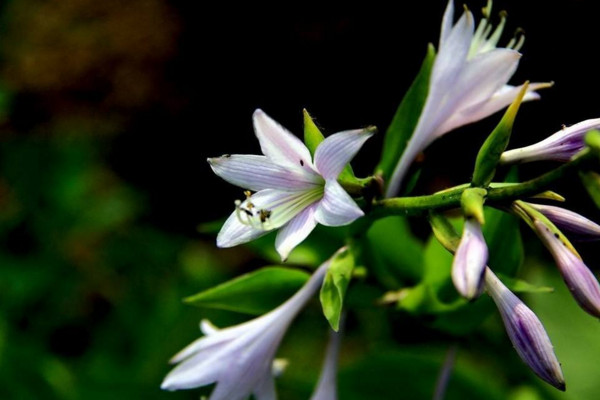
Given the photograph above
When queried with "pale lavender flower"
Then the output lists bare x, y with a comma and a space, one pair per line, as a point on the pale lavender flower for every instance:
292, 192
326, 387
240, 358
579, 279
561, 146
468, 267
579, 226
468, 83
526, 332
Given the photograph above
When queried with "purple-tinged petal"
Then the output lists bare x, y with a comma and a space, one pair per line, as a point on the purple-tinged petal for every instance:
447, 21
279, 145
337, 150
234, 232
582, 228
337, 207
468, 268
295, 231
258, 172
581, 282
191, 373
560, 146
265, 390
526, 333
327, 386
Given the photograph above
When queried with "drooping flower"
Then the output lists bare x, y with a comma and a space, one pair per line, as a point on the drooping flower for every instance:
326, 387
240, 358
468, 83
581, 282
468, 267
579, 226
561, 146
293, 192
526, 332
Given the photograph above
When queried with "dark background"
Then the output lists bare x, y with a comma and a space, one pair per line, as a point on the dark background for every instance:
109, 109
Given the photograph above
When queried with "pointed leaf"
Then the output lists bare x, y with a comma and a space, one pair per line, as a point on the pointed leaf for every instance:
489, 154
312, 134
406, 118
253, 293
335, 285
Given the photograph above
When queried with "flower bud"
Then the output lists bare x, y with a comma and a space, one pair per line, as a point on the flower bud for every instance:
470, 260
579, 226
526, 332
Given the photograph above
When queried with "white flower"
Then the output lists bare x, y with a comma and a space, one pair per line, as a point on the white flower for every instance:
468, 267
293, 192
560, 146
240, 358
526, 332
468, 83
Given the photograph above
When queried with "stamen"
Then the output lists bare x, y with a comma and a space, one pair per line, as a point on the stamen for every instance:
493, 40
487, 10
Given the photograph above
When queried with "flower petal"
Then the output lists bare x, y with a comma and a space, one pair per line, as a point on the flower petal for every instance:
337, 207
337, 150
191, 373
234, 232
447, 22
256, 173
265, 390
469, 264
279, 145
295, 231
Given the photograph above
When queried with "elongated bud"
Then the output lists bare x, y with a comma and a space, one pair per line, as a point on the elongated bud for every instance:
526, 332
468, 268
579, 279
578, 225
560, 146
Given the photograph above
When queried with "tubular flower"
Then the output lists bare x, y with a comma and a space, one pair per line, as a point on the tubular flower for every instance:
240, 358
560, 146
579, 279
293, 191
526, 332
468, 83
582, 228
326, 388
471, 256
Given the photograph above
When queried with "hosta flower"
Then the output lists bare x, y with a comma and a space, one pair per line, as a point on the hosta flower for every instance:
468, 83
468, 267
293, 191
240, 358
560, 146
526, 332
577, 225
326, 388
579, 279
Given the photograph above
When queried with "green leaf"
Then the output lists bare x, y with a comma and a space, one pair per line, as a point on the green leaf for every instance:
521, 286
489, 154
406, 118
591, 182
312, 134
253, 293
334, 287
505, 247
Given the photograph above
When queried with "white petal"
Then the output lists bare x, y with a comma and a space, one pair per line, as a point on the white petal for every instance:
337, 207
258, 172
337, 150
265, 389
295, 231
234, 232
191, 373
208, 328
447, 23
277, 143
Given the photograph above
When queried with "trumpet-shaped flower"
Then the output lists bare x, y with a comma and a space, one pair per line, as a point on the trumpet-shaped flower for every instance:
293, 191
526, 332
326, 388
582, 228
581, 282
468, 267
240, 358
468, 82
560, 146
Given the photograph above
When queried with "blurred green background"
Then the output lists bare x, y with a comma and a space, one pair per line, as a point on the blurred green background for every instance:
107, 112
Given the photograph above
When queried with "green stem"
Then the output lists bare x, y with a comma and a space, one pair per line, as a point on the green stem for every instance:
497, 193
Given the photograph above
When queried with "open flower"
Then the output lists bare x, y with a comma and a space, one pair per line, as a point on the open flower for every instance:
293, 192
240, 358
560, 146
579, 279
468, 83
526, 332
468, 267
